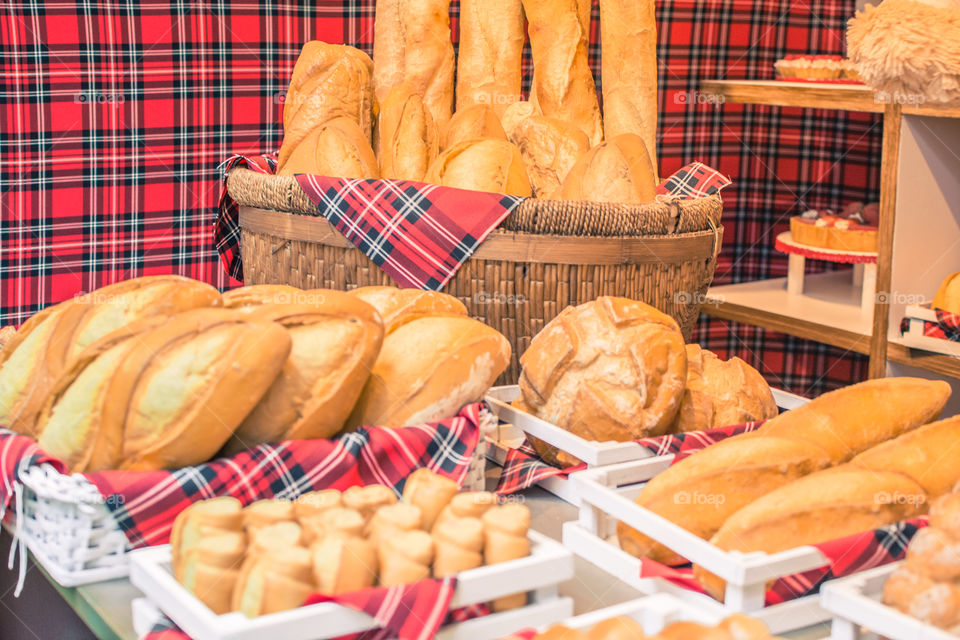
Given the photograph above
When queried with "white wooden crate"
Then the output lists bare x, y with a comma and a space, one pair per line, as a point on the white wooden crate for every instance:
859, 613
652, 612
515, 425
914, 337
548, 564
607, 495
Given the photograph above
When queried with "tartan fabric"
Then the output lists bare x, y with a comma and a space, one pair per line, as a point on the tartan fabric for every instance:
116, 114
947, 326
226, 229
845, 556
18, 452
696, 180
523, 468
146, 503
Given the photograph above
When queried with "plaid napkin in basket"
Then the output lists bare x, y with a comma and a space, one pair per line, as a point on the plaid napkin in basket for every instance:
947, 326
523, 468
418, 234
845, 556
145, 503
407, 612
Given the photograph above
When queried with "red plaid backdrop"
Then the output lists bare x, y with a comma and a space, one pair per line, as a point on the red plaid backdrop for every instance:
115, 116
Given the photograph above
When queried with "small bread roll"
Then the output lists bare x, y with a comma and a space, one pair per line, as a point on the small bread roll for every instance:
392, 518
487, 164
936, 554
342, 565
938, 605
278, 534
405, 558
515, 114
619, 628
266, 512
277, 580
505, 538
368, 499
468, 504
211, 569
743, 627
560, 632
550, 149
458, 545
472, 123
430, 492
687, 630
336, 148
902, 585
618, 170
335, 522
316, 502
200, 520
407, 137
945, 513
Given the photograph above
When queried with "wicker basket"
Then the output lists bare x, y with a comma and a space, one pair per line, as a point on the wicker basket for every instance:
545, 256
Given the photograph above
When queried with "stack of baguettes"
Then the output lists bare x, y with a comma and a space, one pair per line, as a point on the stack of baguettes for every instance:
849, 461
163, 372
271, 555
399, 115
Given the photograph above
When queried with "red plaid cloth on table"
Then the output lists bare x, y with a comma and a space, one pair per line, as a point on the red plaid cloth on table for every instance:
418, 234
947, 326
523, 468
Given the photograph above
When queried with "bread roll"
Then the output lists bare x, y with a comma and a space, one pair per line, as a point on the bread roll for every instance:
264, 513
472, 123
948, 295
823, 506
188, 384
206, 518
936, 554
336, 148
468, 504
399, 306
405, 558
505, 530
550, 148
611, 369
407, 137
412, 44
482, 165
489, 69
628, 31
329, 81
211, 570
618, 170
342, 565
277, 534
902, 585
690, 630
430, 492
517, 113
564, 83
619, 628
252, 296
428, 369
945, 514
701, 492
560, 632
335, 342
366, 500
337, 522
458, 545
316, 502
721, 393
279, 580
392, 518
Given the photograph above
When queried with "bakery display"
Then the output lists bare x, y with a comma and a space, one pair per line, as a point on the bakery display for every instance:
739, 472
719, 393
735, 627
612, 369
853, 230
271, 555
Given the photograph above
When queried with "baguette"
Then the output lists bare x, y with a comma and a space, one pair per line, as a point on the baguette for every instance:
407, 136
489, 59
628, 31
550, 149
564, 86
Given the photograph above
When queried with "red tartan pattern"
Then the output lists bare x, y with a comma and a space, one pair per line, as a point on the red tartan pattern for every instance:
947, 326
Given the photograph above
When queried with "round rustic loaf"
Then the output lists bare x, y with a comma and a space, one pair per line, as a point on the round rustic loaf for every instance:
611, 369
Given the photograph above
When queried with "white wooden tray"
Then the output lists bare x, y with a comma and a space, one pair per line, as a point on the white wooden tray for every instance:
855, 602
607, 494
914, 337
515, 425
548, 565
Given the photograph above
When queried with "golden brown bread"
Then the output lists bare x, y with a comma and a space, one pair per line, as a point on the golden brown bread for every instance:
945, 513
391, 518
407, 136
472, 123
505, 530
344, 564
335, 342
721, 393
255, 295
618, 170
316, 502
947, 296
550, 148
619, 628
200, 520
336, 148
517, 113
489, 58
188, 384
467, 504
564, 84
212, 567
336, 522
329, 81
486, 164
611, 369
279, 579
6, 336
935, 553
430, 492
428, 369
405, 558
366, 500
458, 545
628, 31
400, 306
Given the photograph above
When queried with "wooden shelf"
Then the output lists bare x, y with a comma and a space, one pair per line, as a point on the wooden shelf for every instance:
847, 97
926, 360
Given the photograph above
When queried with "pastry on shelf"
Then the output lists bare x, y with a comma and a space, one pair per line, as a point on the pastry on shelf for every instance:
854, 229
819, 67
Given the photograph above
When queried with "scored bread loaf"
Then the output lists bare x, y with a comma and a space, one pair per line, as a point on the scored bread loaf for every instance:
611, 369
400, 306
255, 295
472, 123
428, 369
517, 113
335, 342
550, 148
486, 164
329, 81
412, 43
564, 86
489, 69
628, 31
337, 148
720, 393
618, 170
407, 137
